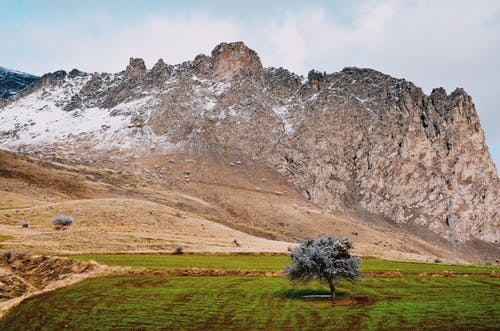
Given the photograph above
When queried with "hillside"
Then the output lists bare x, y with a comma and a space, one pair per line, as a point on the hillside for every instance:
121, 210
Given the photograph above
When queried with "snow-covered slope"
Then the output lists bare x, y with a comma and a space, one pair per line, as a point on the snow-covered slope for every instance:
40, 120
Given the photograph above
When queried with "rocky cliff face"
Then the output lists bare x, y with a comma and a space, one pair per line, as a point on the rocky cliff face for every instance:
352, 140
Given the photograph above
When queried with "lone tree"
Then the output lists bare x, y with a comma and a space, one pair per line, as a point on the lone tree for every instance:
325, 258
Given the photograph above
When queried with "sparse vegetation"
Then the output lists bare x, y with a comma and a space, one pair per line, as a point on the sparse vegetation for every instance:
62, 221
326, 258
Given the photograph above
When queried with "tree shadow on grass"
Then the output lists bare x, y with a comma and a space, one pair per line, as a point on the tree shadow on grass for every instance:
322, 297
307, 294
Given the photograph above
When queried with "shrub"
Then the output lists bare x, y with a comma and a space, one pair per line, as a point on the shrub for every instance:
62, 221
179, 250
7, 256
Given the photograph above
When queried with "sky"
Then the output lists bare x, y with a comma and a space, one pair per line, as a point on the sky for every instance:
438, 43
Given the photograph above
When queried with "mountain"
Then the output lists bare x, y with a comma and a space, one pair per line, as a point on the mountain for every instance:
356, 142
11, 82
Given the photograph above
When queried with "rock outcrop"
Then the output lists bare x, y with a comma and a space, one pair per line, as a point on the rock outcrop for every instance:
159, 73
229, 61
352, 140
136, 69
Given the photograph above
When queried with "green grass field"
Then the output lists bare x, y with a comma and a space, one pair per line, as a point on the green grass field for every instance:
260, 303
262, 263
219, 262
468, 300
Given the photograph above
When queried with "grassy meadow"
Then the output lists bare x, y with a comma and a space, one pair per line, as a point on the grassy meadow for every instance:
467, 300
185, 261
263, 263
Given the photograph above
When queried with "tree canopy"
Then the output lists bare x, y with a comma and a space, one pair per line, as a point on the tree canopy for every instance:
326, 258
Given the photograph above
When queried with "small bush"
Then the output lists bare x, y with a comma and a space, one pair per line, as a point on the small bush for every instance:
62, 221
25, 224
7, 256
179, 250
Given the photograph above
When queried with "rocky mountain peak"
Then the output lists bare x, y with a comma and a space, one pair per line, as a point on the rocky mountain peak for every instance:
159, 73
76, 73
52, 78
231, 59
439, 99
314, 78
136, 68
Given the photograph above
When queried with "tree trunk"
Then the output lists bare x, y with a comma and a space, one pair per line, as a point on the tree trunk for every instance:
332, 289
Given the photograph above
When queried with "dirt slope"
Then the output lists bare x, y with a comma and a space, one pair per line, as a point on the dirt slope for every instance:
23, 275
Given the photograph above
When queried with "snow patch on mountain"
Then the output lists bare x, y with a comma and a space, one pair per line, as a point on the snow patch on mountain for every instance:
283, 113
39, 120
209, 86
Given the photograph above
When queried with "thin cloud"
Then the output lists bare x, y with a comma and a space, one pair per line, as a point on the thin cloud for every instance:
173, 40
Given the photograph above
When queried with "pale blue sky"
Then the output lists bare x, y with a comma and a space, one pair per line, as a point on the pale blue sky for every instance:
16, 11
431, 43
